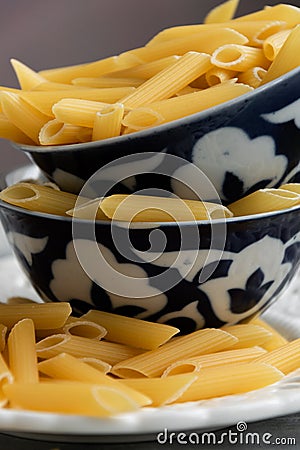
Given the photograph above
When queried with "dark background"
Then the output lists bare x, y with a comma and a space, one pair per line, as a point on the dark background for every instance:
63, 32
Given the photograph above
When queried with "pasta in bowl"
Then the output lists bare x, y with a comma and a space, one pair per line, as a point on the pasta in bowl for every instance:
224, 96
220, 268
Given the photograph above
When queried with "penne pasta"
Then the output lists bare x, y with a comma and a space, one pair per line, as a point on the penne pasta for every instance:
21, 352
79, 347
288, 57
292, 187
69, 398
264, 200
239, 57
276, 340
218, 75
59, 133
38, 198
66, 367
284, 12
78, 112
286, 358
248, 335
223, 12
43, 315
154, 362
139, 208
174, 108
170, 80
9, 131
22, 115
253, 76
5, 378
3, 331
107, 82
108, 122
214, 359
84, 328
28, 79
131, 331
88, 210
232, 379
162, 391
97, 364
273, 43
44, 100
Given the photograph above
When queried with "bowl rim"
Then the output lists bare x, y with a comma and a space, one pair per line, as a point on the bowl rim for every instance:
155, 130
201, 223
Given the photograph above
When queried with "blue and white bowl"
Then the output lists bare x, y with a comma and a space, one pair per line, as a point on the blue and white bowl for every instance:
244, 144
234, 271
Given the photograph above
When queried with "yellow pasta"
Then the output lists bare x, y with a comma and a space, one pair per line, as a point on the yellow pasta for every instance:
276, 341
264, 200
93, 69
162, 391
174, 108
288, 57
69, 398
23, 115
195, 364
248, 335
97, 364
21, 351
170, 80
9, 131
88, 210
205, 42
43, 315
107, 82
231, 379
80, 347
66, 367
77, 112
218, 75
5, 377
58, 133
44, 100
284, 12
108, 122
223, 12
273, 43
154, 362
253, 76
139, 208
3, 331
84, 328
292, 187
27, 78
38, 198
131, 331
286, 358
239, 57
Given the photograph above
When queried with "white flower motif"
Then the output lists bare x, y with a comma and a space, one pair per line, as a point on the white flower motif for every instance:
27, 245
230, 149
286, 114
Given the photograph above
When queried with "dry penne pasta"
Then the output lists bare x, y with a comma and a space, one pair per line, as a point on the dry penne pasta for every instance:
292, 187
21, 352
286, 358
218, 75
43, 315
5, 378
58, 133
78, 112
97, 364
88, 210
139, 208
9, 131
164, 111
239, 57
223, 12
28, 79
69, 398
39, 198
232, 379
80, 347
162, 391
3, 331
253, 76
67, 367
214, 359
107, 82
108, 122
44, 100
248, 335
84, 328
273, 43
276, 340
287, 13
154, 362
131, 331
264, 200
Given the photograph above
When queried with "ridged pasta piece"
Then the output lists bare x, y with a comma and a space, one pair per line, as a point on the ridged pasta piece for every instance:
218, 75
276, 341
3, 331
286, 358
253, 76
239, 57
108, 122
284, 12
59, 133
28, 79
9, 131
248, 335
147, 70
273, 43
221, 13
107, 82
77, 111
5, 378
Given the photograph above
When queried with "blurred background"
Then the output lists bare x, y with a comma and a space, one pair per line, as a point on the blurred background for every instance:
66, 32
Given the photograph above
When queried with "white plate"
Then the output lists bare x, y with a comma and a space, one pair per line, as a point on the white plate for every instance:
279, 399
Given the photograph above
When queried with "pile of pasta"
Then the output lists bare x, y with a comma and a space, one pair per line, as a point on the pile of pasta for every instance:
102, 364
142, 208
179, 72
